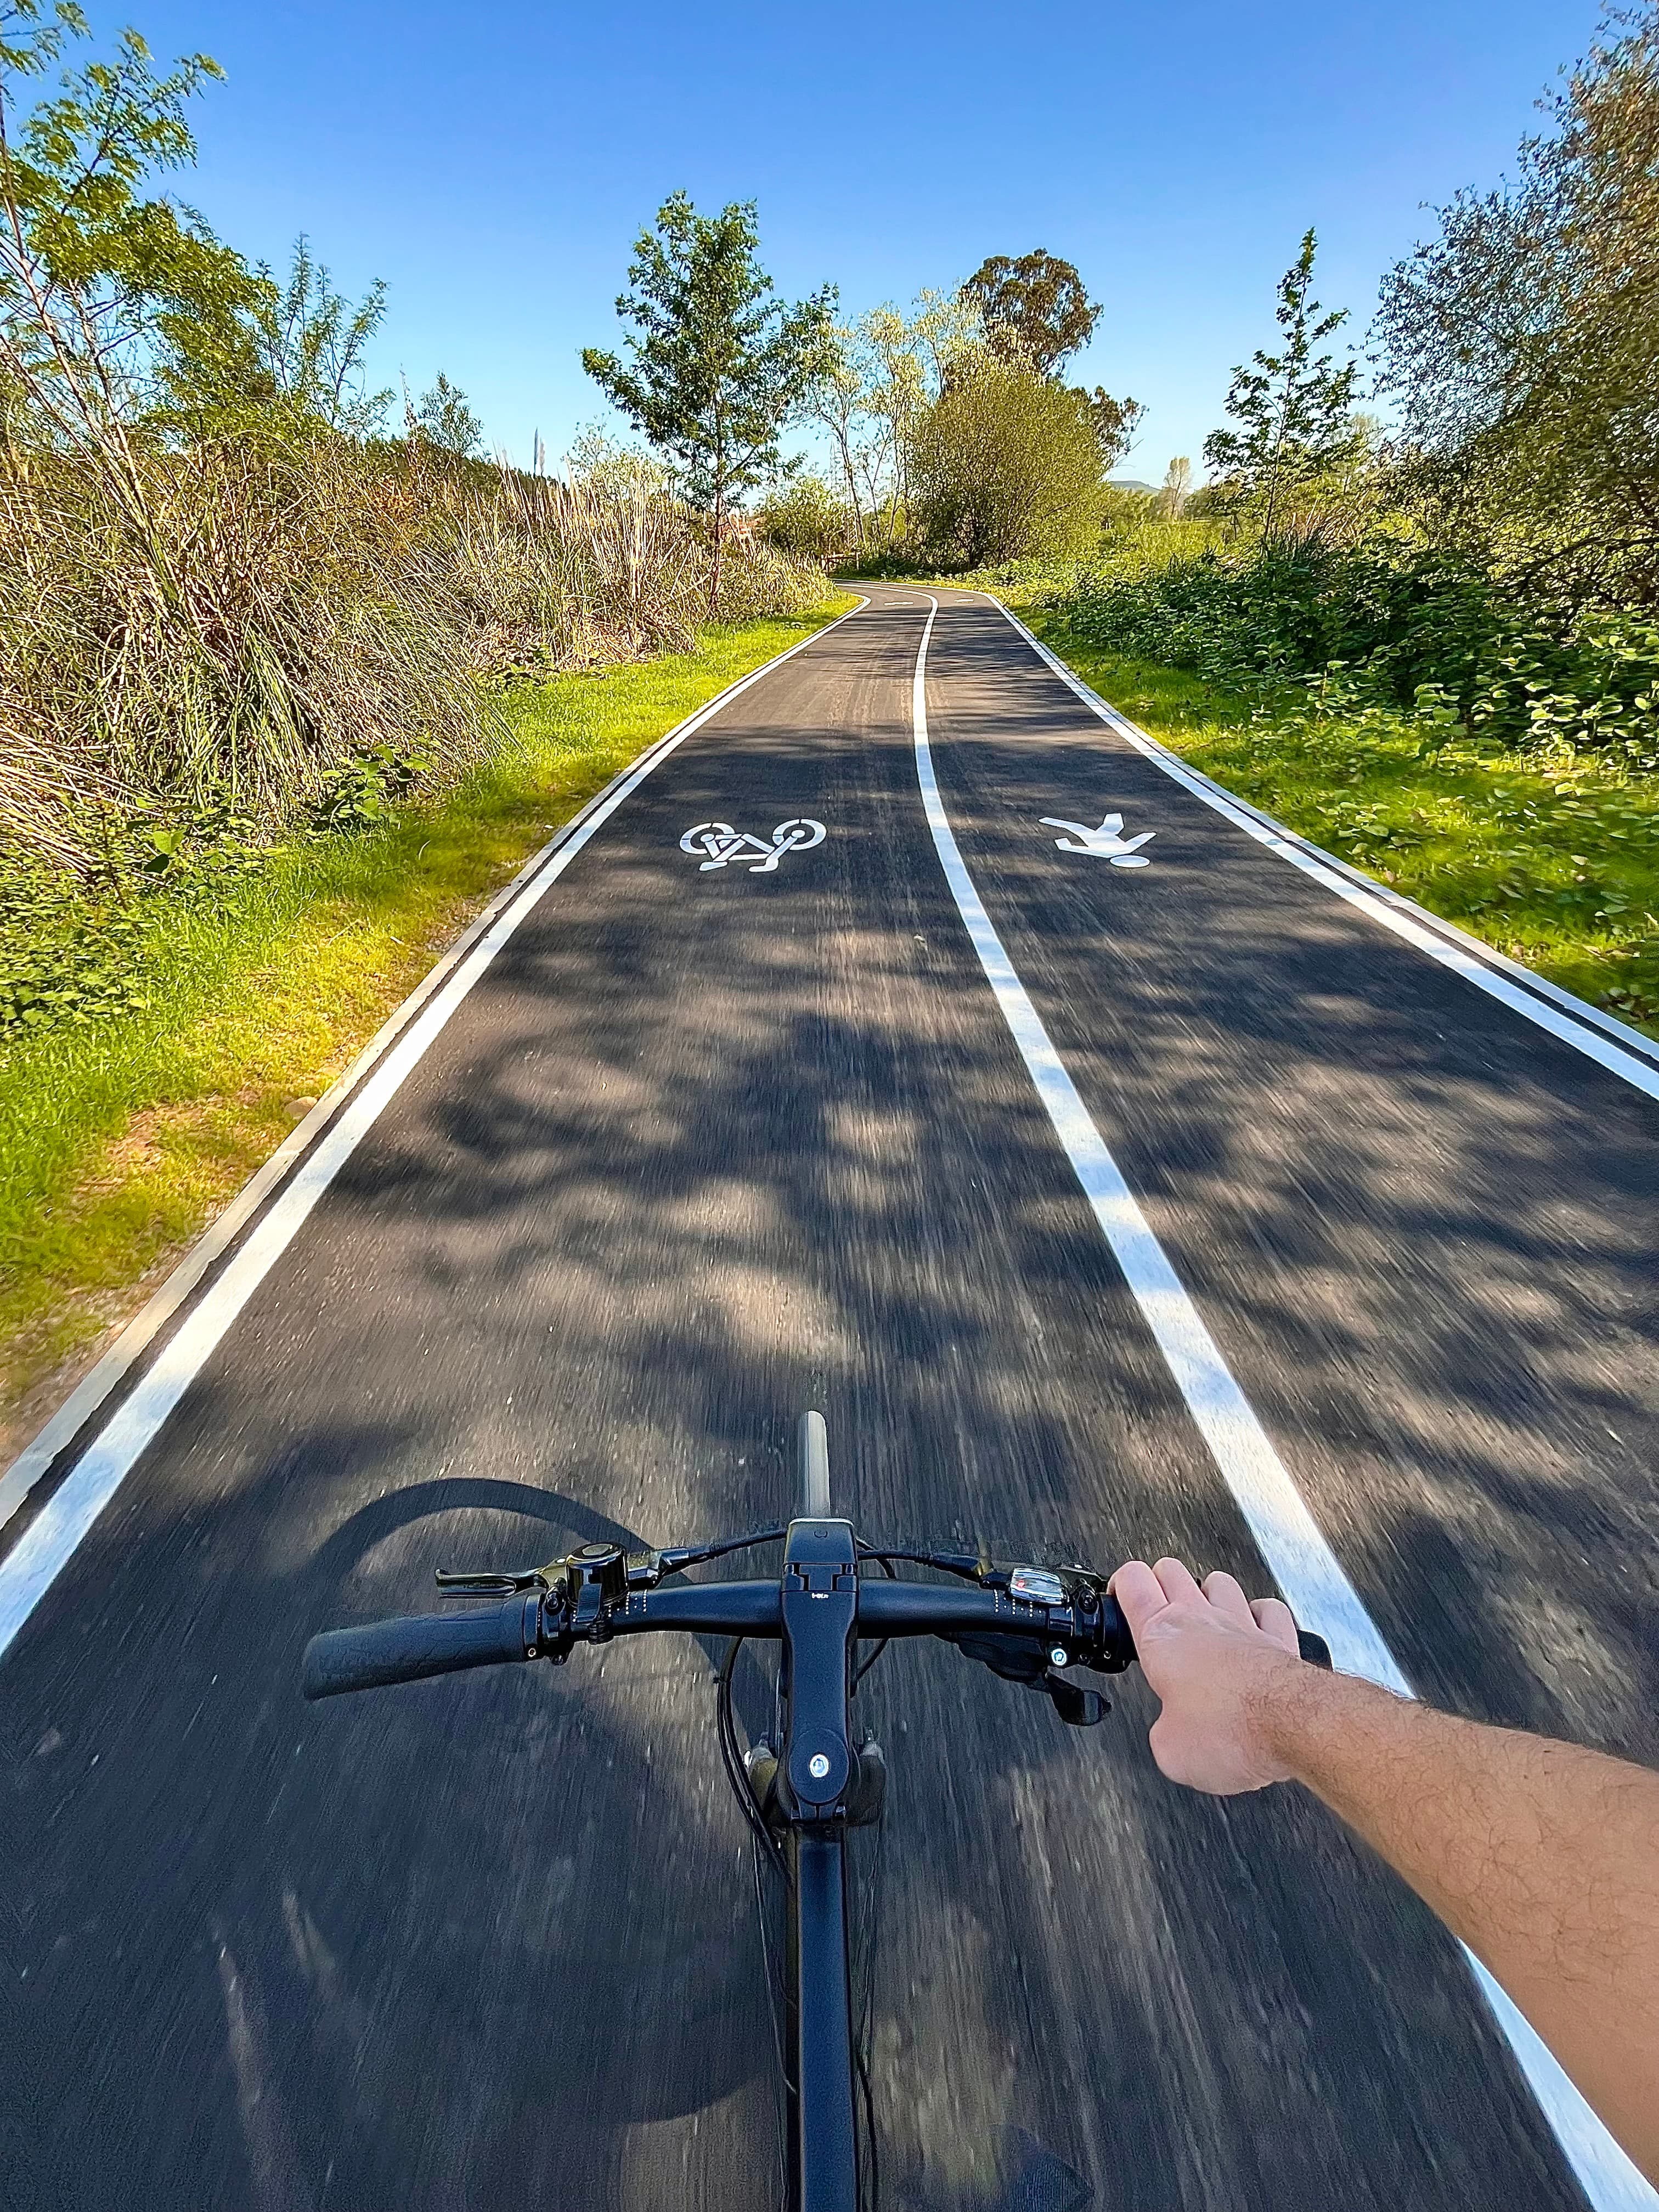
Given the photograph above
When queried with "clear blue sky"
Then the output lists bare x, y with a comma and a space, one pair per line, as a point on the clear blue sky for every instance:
493, 163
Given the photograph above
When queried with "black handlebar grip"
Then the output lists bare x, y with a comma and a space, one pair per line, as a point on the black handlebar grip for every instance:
408, 1651
1118, 1646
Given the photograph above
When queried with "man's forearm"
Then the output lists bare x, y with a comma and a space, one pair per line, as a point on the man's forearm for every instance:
1542, 1857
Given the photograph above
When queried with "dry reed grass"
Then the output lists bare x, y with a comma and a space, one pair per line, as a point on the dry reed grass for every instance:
259, 617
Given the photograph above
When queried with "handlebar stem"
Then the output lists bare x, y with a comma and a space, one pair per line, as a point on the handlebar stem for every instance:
819, 1605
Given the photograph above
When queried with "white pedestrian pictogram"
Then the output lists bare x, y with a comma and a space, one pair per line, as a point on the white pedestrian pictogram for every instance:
721, 842
1106, 843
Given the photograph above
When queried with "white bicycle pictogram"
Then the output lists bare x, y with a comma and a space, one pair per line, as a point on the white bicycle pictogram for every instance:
722, 843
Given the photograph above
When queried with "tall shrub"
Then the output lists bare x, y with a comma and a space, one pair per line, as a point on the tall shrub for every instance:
1006, 464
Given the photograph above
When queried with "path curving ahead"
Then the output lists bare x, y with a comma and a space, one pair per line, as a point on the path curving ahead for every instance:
732, 1118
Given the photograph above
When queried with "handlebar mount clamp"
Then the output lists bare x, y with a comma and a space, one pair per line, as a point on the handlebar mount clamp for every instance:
820, 1603
595, 1580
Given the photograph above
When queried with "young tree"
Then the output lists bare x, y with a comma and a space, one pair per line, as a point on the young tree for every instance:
123, 317
1115, 421
901, 385
903, 361
98, 287
1037, 304
717, 365
293, 365
946, 328
446, 419
836, 397
1178, 487
1294, 408
311, 342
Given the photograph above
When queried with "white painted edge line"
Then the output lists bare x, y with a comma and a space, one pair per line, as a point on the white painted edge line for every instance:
1288, 1537
1585, 1028
321, 1144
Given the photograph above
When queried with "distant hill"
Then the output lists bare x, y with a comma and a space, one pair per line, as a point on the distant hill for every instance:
1129, 483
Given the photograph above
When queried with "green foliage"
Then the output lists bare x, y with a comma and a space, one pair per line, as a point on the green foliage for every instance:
96, 282
369, 787
602, 468
1115, 421
870, 385
1522, 343
310, 341
1005, 464
446, 420
924, 410
74, 950
121, 314
716, 363
1383, 622
1294, 409
290, 367
1036, 308
806, 518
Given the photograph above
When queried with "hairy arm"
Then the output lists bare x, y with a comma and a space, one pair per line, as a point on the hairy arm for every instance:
1542, 1857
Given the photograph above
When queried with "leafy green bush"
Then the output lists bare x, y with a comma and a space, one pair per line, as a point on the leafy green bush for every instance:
1384, 621
76, 950
1004, 463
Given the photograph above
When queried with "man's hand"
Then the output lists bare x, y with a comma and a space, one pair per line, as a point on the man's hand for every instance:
1221, 1664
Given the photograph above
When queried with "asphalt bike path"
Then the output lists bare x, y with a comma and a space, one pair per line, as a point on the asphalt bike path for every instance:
722, 1131
1422, 1228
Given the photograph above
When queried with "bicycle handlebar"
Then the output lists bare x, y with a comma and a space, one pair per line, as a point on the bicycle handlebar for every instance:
379, 1653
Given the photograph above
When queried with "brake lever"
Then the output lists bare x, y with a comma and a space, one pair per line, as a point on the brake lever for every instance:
644, 1571
485, 1582
1077, 1708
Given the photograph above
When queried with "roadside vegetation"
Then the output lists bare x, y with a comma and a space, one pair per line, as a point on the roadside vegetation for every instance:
956, 439
121, 1137
232, 611
1549, 854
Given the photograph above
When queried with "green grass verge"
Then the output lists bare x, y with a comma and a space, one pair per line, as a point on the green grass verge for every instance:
119, 1141
1555, 863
